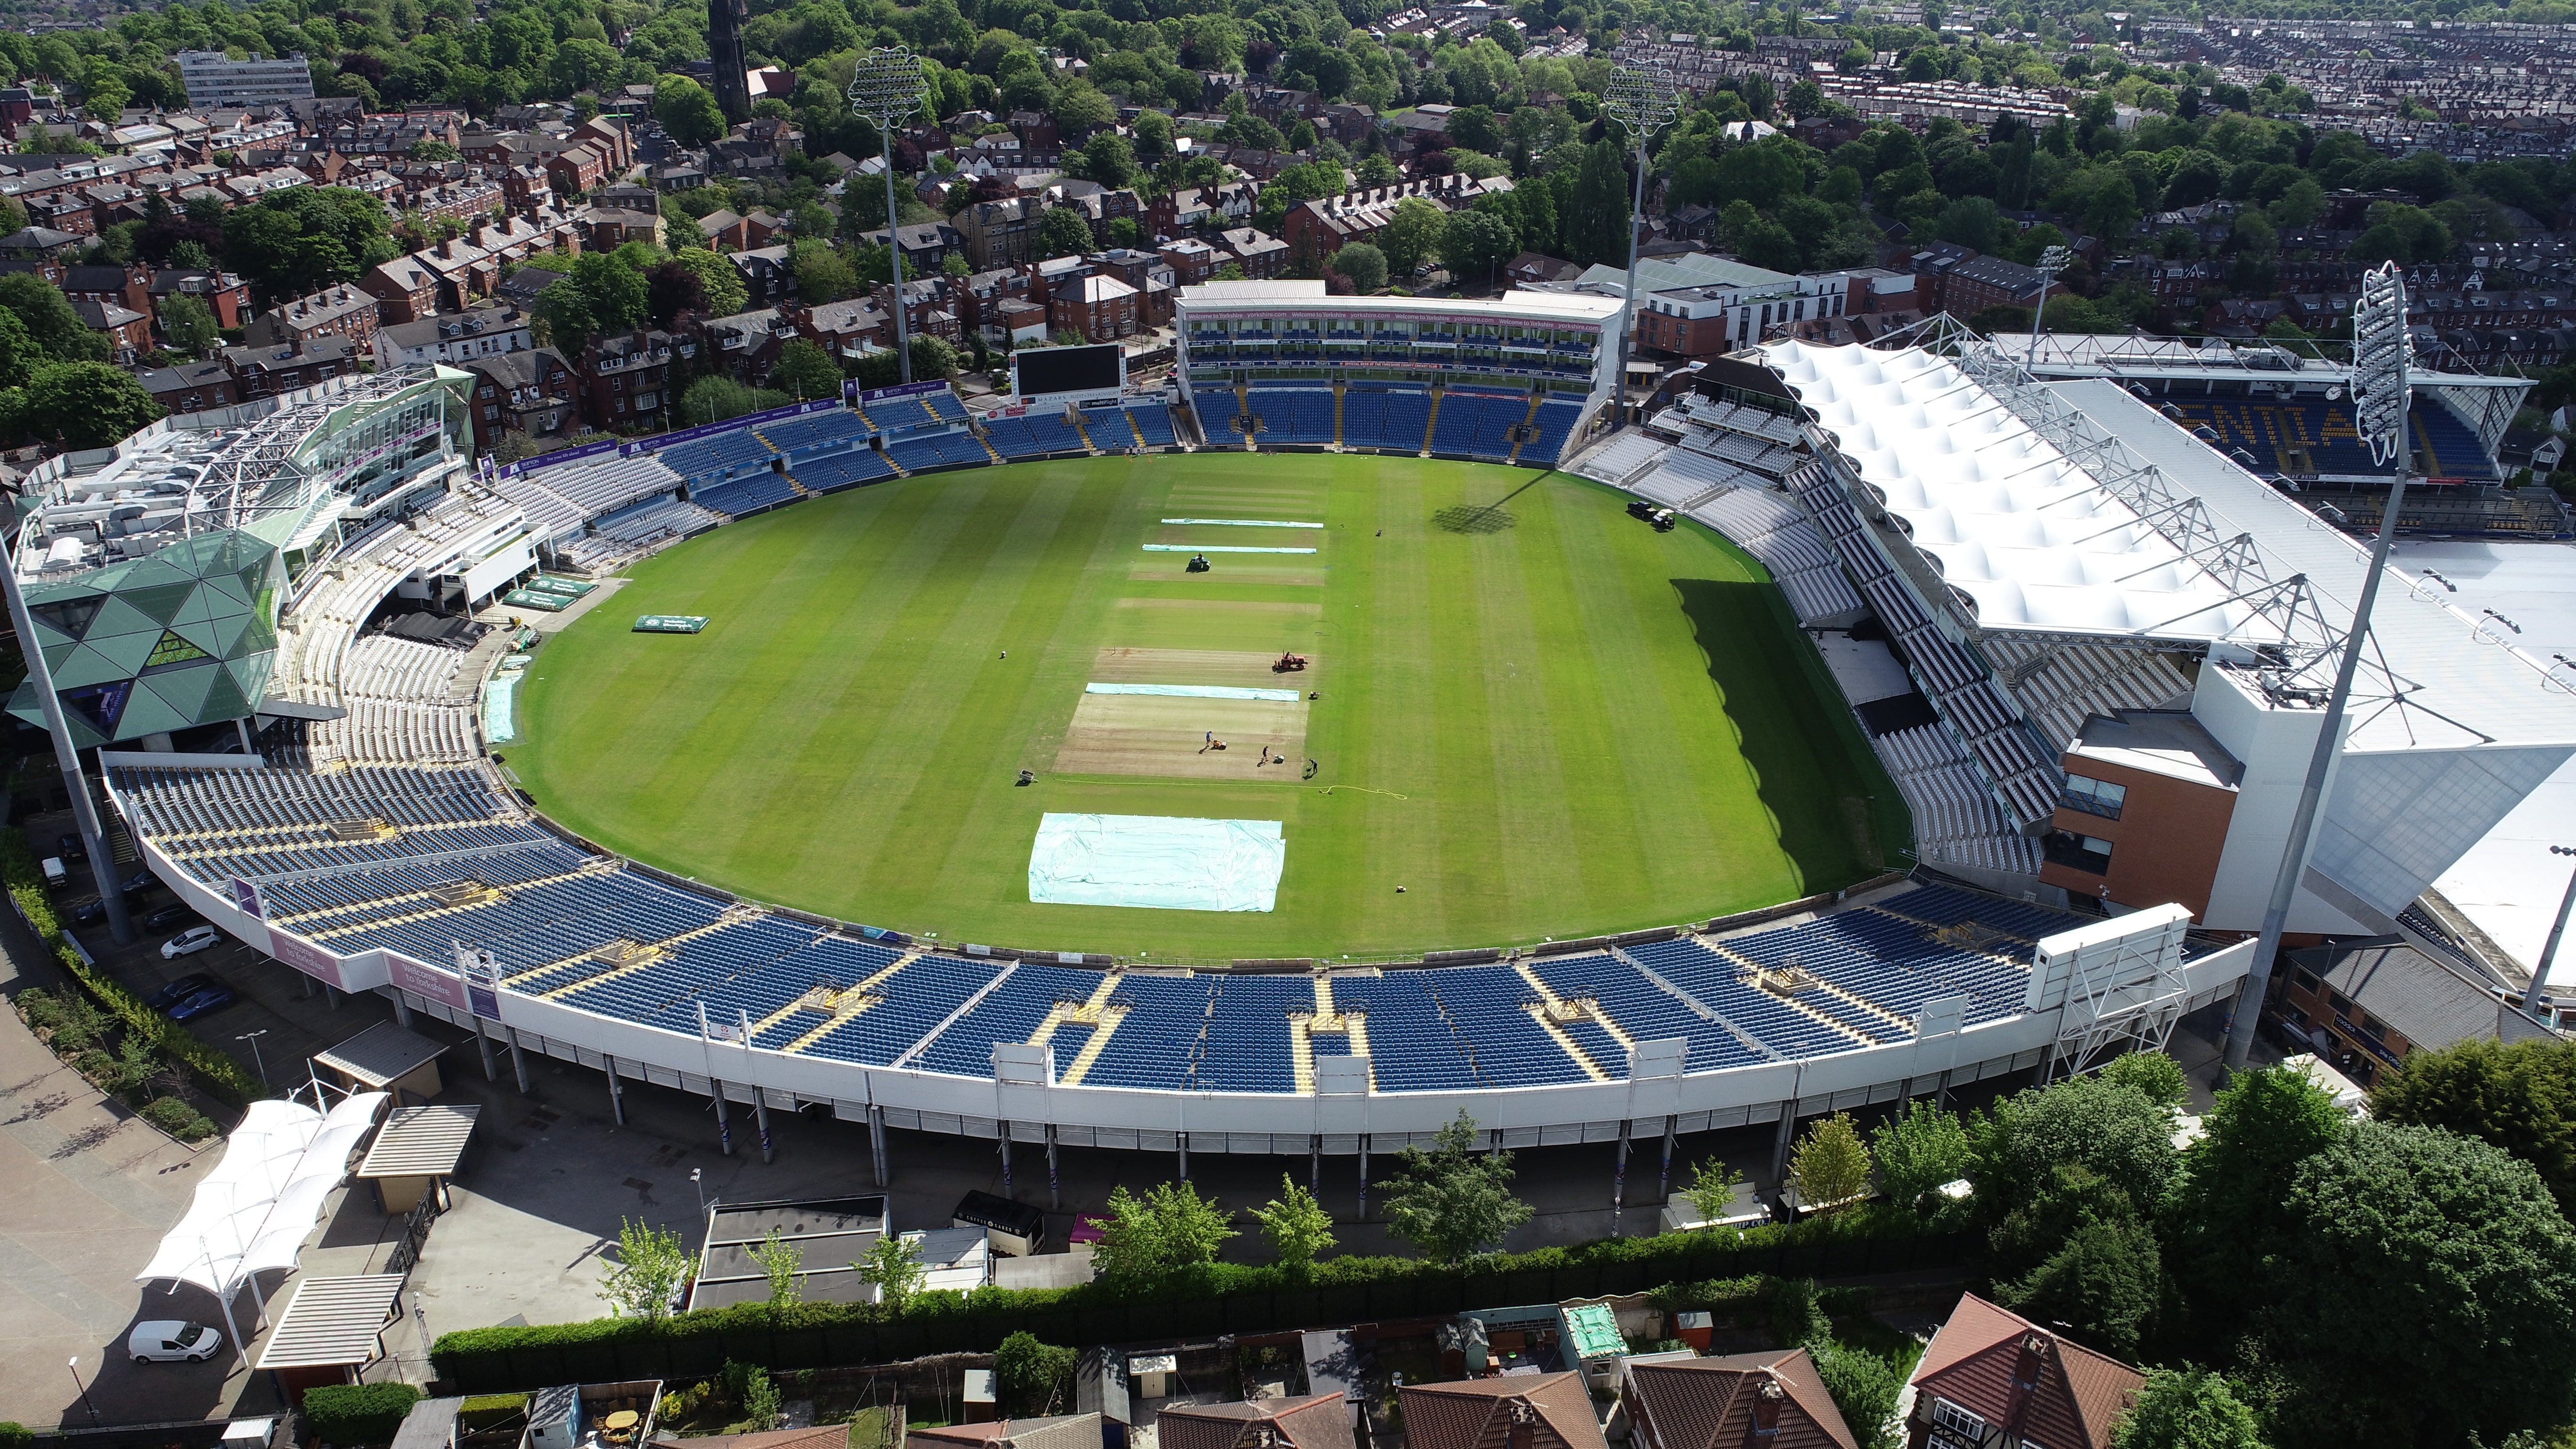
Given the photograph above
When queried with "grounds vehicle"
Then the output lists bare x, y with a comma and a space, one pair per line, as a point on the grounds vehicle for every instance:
189, 942
167, 1340
54, 873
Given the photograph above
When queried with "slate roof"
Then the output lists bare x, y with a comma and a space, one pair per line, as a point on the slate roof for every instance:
2428, 1003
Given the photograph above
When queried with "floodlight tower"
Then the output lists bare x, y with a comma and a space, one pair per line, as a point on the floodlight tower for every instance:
887, 87
2382, 353
1645, 99
2051, 262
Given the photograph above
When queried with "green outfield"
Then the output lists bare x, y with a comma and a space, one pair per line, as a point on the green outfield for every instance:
1533, 713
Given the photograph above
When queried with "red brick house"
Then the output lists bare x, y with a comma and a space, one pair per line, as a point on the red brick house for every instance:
344, 312
625, 381
1992, 1379
535, 393
1100, 308
128, 332
1774, 1399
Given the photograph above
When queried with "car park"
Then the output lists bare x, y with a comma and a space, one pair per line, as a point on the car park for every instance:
189, 942
167, 1340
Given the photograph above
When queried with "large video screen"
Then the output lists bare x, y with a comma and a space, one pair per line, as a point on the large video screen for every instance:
1043, 370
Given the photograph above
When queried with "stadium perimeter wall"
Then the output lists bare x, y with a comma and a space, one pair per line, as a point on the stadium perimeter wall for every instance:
1082, 1116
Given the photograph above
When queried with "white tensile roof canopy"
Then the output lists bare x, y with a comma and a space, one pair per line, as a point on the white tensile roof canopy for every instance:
254, 1208
2027, 536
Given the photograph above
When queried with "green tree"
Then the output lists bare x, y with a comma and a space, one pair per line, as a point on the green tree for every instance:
893, 1266
714, 398
293, 242
1296, 1226
2108, 1127
2425, 1288
1064, 232
1110, 159
1029, 1376
1410, 235
783, 1264
1474, 243
823, 273
188, 323
2187, 1408
51, 328
721, 280
1376, 170
1831, 1164
600, 296
2104, 1282
1153, 136
2156, 1076
1972, 222
87, 404
687, 111
1169, 1230
805, 370
1712, 1190
1453, 1202
1919, 1150
435, 150
1596, 215
1864, 1388
2521, 1098
651, 1265
2228, 1211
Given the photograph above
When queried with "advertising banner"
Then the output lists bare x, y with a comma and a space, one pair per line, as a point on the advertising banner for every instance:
247, 899
909, 389
425, 981
306, 957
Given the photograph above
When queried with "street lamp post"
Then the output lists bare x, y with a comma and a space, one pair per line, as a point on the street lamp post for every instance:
887, 87
2381, 354
1645, 99
84, 1392
2558, 928
261, 1062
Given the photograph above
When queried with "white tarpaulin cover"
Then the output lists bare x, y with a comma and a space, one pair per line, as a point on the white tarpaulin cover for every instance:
1194, 691
1217, 548
1171, 862
254, 1208
1246, 522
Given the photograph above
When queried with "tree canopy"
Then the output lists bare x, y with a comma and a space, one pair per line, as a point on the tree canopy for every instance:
1453, 1202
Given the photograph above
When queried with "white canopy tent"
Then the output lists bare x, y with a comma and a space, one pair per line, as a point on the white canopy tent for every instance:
254, 1208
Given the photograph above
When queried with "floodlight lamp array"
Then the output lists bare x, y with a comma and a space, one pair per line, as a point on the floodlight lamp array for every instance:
2382, 355
887, 86
1644, 99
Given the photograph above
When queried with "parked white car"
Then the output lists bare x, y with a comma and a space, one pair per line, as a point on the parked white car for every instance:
168, 1340
189, 942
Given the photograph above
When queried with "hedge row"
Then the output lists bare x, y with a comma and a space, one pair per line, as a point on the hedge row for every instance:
1219, 1298
25, 880
358, 1413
